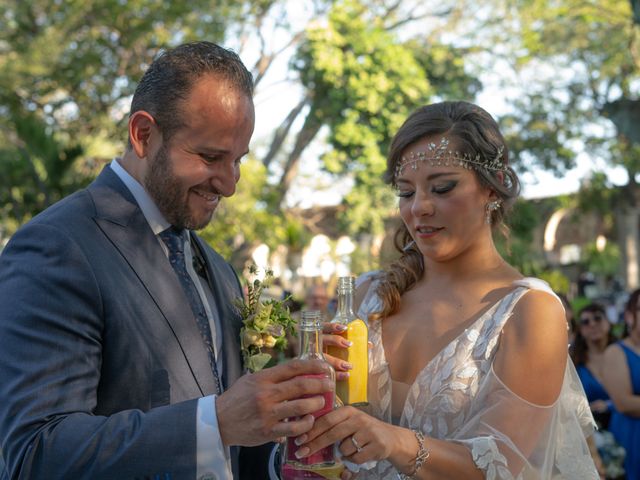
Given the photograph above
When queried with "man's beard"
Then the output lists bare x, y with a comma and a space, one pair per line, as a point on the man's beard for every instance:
169, 196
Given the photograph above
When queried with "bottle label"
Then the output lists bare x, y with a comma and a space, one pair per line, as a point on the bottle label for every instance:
353, 390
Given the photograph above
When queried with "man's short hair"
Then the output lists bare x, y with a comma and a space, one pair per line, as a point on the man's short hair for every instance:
170, 78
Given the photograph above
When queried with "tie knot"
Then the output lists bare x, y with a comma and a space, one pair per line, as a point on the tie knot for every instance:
173, 239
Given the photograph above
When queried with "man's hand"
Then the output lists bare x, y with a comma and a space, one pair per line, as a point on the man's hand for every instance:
253, 411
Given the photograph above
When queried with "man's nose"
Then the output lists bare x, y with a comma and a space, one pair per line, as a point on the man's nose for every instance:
225, 179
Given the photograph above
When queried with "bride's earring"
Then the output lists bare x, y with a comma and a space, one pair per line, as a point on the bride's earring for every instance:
408, 246
489, 209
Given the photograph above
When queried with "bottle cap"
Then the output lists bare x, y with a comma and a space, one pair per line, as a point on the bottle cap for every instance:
310, 320
346, 283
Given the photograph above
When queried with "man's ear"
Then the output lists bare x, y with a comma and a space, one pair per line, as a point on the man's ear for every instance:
142, 126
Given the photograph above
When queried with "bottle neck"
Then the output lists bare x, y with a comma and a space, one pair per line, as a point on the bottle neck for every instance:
344, 312
310, 344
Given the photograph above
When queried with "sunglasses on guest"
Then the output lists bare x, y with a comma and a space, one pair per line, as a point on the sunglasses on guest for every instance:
597, 318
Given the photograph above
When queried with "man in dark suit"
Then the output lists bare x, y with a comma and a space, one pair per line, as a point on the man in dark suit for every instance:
119, 350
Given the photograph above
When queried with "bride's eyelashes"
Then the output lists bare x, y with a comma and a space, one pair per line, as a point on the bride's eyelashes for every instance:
443, 188
404, 193
438, 189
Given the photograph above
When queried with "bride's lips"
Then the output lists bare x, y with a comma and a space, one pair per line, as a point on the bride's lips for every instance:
427, 231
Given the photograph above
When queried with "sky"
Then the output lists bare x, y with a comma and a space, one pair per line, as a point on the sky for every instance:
540, 184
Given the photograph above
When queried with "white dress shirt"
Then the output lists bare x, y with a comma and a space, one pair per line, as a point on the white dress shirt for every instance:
213, 459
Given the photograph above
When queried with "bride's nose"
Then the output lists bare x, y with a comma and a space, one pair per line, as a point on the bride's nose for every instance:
422, 204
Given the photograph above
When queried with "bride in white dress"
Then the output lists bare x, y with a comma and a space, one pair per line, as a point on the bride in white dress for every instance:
469, 372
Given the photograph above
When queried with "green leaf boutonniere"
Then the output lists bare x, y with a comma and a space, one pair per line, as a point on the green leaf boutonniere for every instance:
266, 323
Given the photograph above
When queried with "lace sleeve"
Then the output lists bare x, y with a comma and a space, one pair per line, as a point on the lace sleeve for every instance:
511, 438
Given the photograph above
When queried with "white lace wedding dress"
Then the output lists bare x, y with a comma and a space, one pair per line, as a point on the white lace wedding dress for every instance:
458, 397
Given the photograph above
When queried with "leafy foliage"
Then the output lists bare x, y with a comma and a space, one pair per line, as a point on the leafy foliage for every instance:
67, 69
604, 262
598, 194
266, 323
517, 247
37, 172
576, 53
365, 81
557, 280
580, 64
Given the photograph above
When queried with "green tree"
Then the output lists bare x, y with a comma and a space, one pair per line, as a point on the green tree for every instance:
66, 71
359, 81
362, 81
579, 62
517, 245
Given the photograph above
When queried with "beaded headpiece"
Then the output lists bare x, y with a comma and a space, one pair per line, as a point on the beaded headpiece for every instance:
439, 155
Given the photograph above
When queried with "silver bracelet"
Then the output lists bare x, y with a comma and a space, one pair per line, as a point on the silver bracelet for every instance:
421, 456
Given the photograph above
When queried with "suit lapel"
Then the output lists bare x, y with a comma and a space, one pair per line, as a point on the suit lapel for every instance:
120, 218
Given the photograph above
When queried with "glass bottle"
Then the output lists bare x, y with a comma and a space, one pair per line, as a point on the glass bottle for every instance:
322, 464
353, 390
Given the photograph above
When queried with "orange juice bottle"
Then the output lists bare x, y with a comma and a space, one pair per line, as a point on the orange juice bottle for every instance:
353, 390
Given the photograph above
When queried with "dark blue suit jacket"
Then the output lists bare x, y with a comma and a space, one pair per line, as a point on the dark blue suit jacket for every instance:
101, 361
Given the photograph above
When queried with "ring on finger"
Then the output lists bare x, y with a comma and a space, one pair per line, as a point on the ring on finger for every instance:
356, 444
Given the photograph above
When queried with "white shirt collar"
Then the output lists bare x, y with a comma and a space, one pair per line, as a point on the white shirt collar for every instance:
156, 220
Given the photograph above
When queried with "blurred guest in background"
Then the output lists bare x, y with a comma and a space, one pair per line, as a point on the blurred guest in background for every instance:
317, 298
622, 364
592, 337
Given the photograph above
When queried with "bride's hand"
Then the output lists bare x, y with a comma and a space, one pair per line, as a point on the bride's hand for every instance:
361, 437
331, 337
346, 474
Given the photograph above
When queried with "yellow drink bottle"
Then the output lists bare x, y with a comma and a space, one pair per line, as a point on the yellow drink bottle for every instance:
353, 390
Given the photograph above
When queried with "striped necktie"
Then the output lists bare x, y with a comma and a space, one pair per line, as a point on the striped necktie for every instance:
174, 240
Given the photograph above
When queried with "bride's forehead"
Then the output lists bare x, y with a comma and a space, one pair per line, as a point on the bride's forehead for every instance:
418, 171
435, 155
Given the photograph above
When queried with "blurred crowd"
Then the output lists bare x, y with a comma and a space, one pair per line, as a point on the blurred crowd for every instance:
605, 348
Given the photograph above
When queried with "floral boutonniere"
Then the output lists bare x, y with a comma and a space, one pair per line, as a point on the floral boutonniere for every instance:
266, 323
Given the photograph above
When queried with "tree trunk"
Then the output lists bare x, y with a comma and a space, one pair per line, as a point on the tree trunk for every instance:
628, 220
303, 139
281, 133
629, 246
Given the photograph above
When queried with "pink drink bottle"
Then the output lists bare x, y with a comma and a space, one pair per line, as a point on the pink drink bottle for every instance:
324, 461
